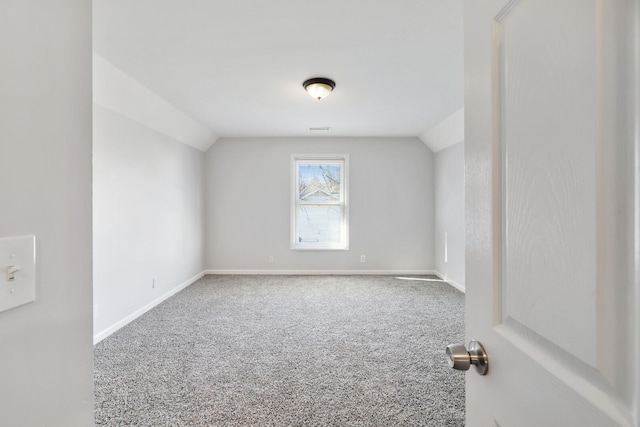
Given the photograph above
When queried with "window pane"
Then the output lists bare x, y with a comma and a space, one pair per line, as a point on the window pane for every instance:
318, 182
319, 224
319, 209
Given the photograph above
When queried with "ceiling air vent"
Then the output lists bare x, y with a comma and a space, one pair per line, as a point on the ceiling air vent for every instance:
322, 128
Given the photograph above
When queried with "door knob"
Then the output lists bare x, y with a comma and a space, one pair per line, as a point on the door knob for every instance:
461, 359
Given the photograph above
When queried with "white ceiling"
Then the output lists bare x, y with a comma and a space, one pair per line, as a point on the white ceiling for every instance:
237, 66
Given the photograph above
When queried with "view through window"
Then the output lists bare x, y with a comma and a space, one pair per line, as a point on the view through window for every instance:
319, 217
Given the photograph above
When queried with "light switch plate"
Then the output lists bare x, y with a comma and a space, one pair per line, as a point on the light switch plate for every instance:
19, 288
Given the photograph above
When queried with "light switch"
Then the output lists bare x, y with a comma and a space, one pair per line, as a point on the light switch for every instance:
17, 271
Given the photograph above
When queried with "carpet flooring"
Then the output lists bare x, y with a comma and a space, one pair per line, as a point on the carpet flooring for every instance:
287, 351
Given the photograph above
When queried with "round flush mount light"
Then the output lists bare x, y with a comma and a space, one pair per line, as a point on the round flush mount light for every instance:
319, 87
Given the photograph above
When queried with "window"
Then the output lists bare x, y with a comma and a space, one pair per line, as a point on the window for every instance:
319, 202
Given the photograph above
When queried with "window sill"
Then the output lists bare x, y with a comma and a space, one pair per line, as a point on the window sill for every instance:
318, 248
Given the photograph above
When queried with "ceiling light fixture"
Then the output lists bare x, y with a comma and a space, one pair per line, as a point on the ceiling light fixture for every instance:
319, 87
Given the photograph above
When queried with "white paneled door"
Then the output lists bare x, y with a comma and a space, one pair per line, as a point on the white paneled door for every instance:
551, 94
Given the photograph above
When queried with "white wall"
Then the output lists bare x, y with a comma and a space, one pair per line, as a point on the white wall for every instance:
117, 91
390, 205
449, 214
448, 132
148, 218
46, 354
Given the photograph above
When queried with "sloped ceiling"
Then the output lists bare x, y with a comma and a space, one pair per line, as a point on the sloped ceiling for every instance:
237, 66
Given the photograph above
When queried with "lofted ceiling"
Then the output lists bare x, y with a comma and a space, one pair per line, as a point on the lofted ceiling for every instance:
237, 66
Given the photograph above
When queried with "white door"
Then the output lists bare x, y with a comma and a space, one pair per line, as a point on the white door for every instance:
551, 92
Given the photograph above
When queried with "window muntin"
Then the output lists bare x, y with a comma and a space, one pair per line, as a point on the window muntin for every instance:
319, 208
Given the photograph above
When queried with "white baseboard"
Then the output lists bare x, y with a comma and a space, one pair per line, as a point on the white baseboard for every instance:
128, 319
324, 272
456, 285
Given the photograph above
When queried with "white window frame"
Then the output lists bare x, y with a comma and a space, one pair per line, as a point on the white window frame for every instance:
343, 160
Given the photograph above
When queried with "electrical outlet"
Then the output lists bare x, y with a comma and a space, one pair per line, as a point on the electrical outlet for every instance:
270, 258
363, 258
153, 283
